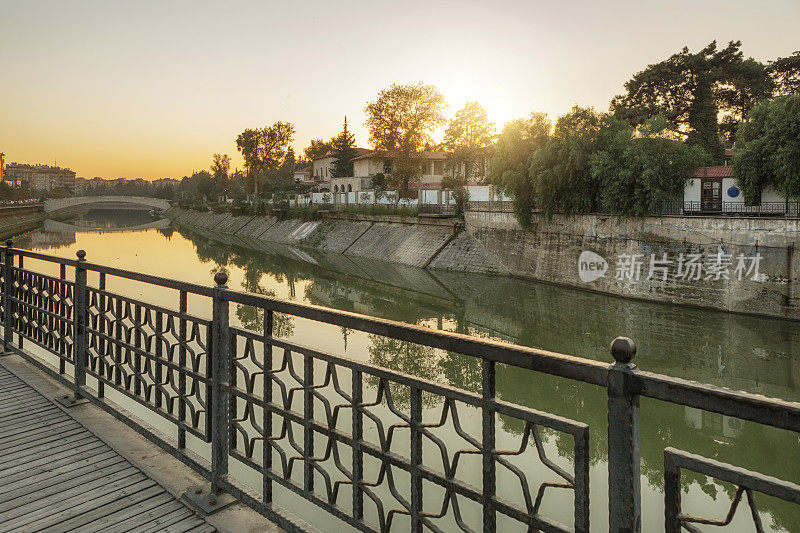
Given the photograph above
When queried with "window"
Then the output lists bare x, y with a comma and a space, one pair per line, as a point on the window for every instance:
426, 167
349, 188
335, 188
438, 168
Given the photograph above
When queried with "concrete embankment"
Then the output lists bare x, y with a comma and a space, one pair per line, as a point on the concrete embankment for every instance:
699, 261
429, 244
19, 219
743, 265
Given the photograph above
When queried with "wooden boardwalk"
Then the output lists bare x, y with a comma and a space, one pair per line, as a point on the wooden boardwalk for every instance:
55, 475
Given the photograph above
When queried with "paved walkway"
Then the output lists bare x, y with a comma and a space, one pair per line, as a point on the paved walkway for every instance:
56, 475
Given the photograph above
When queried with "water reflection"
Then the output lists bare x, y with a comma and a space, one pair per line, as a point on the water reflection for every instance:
749, 353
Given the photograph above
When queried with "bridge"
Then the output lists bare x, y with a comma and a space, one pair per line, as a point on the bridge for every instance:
108, 202
56, 226
260, 416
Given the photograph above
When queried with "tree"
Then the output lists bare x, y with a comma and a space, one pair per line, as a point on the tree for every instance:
467, 137
508, 166
559, 169
704, 127
785, 73
687, 88
204, 183
744, 84
400, 122
317, 148
639, 169
264, 149
769, 151
343, 148
220, 167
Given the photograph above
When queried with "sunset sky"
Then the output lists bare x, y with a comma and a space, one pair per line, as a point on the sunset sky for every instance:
153, 88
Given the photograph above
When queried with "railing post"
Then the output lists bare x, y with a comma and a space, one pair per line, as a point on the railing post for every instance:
8, 286
624, 483
79, 316
220, 380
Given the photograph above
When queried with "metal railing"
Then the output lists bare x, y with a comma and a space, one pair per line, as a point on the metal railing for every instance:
299, 416
765, 209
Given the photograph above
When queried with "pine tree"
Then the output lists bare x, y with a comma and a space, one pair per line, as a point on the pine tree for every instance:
703, 122
343, 148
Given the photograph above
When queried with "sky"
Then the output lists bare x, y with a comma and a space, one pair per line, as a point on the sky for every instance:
152, 88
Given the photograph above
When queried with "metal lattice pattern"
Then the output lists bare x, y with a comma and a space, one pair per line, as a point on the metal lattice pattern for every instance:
156, 356
745, 481
42, 311
332, 423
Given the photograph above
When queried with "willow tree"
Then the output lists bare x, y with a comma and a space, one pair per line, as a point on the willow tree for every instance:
509, 164
400, 122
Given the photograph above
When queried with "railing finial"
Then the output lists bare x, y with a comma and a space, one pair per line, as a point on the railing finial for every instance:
220, 278
9, 243
81, 254
623, 350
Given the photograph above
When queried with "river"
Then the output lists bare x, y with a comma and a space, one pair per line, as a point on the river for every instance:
742, 352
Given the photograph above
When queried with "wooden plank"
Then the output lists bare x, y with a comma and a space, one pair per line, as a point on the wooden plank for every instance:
88, 503
78, 501
44, 464
38, 415
62, 483
78, 521
156, 506
43, 445
18, 426
57, 476
32, 435
187, 524
32, 504
164, 521
48, 479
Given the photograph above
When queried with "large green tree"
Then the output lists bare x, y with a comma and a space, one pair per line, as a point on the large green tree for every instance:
689, 88
559, 169
400, 122
639, 169
785, 72
343, 148
511, 160
220, 168
317, 148
467, 138
769, 149
264, 150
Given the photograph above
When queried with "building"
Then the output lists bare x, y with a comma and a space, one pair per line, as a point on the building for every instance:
372, 162
321, 171
714, 190
2, 166
40, 177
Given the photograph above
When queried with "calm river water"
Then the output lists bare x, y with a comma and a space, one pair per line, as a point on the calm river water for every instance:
758, 355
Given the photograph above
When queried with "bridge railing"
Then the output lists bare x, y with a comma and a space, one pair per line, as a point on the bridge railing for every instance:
345, 435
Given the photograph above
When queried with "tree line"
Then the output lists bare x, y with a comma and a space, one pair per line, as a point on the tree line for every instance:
673, 116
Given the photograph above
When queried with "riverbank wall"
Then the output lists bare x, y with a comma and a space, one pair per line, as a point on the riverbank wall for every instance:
744, 265
434, 244
15, 220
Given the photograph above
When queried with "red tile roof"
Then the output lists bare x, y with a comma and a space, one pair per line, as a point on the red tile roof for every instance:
713, 172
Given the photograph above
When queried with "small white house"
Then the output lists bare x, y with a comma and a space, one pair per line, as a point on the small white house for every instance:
714, 190
321, 170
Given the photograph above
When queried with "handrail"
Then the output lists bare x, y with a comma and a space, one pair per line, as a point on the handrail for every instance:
202, 376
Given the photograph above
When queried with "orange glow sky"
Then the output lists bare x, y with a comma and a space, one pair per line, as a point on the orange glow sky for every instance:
151, 89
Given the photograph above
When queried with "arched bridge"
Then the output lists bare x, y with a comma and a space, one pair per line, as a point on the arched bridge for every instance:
113, 202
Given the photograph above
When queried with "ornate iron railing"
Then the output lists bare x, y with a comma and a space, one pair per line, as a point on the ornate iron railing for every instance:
360, 441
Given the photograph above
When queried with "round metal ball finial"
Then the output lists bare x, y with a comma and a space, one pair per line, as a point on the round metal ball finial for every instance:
81, 254
9, 243
623, 349
220, 278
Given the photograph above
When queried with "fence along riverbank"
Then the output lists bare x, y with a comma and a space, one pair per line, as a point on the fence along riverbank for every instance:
235, 389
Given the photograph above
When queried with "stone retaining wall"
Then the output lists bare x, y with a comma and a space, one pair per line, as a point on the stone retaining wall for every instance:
404, 243
550, 252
